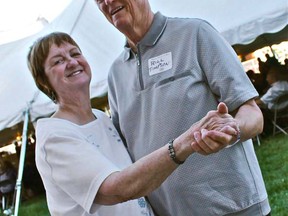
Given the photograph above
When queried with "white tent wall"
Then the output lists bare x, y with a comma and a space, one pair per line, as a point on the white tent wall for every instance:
82, 20
17, 87
240, 22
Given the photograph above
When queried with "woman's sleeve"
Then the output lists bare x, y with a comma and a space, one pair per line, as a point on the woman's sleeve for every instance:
76, 166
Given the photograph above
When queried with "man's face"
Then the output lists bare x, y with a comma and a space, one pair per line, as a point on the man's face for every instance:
124, 14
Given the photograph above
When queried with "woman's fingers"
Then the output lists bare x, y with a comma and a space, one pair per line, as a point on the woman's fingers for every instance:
208, 142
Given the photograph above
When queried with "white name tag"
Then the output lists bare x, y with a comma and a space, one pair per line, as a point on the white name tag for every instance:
160, 63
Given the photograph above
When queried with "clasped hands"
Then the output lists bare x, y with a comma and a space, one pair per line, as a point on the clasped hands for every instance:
215, 131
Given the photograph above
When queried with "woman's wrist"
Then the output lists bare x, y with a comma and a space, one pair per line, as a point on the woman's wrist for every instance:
172, 153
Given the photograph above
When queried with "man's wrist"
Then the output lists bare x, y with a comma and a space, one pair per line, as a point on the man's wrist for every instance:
237, 140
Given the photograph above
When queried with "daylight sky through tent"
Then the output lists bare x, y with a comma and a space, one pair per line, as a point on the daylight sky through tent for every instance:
18, 18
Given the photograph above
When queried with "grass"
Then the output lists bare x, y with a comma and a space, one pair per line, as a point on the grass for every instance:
34, 207
273, 159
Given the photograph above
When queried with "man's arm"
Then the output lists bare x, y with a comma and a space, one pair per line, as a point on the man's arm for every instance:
250, 119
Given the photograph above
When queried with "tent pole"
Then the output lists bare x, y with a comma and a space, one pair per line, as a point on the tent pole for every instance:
272, 50
21, 161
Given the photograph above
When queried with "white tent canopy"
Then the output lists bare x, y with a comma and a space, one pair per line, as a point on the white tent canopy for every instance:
240, 22
17, 88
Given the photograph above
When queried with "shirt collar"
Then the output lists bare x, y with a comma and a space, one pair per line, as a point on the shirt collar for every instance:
152, 36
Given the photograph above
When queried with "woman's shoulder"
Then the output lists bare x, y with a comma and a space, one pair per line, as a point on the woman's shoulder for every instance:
51, 127
100, 114
53, 123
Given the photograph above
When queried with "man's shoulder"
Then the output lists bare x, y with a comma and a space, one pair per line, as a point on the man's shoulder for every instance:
187, 20
189, 24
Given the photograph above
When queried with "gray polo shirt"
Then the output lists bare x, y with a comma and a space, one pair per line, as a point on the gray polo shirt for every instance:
182, 70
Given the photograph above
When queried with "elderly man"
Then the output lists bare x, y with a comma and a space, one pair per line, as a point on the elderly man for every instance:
172, 72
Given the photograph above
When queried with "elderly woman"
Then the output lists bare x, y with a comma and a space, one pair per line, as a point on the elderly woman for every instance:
83, 163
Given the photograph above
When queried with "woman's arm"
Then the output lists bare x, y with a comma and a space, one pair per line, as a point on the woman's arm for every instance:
146, 174
142, 177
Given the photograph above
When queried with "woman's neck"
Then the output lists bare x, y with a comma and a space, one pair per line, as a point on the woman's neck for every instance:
77, 110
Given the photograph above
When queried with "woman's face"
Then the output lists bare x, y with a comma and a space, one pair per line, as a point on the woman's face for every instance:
67, 69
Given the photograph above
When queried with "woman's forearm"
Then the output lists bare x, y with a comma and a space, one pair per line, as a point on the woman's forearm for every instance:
144, 176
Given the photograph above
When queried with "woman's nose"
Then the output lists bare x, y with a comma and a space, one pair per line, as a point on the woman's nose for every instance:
72, 62
108, 1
